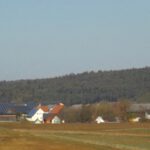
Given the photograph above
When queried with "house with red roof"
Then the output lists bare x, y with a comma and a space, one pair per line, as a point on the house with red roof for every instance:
45, 114
53, 115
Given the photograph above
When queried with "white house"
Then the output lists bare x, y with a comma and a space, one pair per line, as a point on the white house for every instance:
137, 119
56, 120
37, 121
99, 120
45, 114
147, 116
35, 114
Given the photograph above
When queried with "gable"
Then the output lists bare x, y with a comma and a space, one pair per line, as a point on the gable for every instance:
45, 108
56, 120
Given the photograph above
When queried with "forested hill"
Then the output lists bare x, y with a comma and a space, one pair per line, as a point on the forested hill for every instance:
87, 87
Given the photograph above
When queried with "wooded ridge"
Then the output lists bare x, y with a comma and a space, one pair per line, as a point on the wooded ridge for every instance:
87, 87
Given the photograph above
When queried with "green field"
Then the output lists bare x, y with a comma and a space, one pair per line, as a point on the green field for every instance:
125, 136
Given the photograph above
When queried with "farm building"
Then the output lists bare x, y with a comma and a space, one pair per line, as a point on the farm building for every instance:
31, 111
139, 108
56, 120
8, 118
99, 120
9, 110
52, 118
45, 114
37, 113
147, 116
136, 119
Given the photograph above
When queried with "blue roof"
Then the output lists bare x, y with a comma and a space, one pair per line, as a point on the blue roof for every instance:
6, 108
10, 108
21, 109
32, 112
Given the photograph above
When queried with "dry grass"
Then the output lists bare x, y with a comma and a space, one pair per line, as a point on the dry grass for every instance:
125, 136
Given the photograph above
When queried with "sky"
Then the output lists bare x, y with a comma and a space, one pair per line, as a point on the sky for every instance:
48, 38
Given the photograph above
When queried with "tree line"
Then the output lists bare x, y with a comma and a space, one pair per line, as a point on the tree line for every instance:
89, 112
87, 87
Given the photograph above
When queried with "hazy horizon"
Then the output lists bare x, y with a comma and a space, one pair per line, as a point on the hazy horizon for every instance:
42, 39
75, 73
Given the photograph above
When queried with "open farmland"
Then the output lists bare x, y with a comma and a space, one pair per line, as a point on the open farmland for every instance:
125, 136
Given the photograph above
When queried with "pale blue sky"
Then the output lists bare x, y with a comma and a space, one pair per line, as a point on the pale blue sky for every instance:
47, 38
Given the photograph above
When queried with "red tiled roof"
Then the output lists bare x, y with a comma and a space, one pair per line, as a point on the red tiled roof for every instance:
57, 108
49, 118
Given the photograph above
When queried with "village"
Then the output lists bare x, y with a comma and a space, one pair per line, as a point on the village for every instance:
38, 114
52, 114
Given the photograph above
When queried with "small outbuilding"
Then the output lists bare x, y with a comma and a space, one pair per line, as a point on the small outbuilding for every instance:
137, 119
99, 120
56, 120
52, 119
147, 116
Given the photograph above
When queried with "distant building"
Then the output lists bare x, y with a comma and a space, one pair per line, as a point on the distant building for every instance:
46, 114
99, 120
56, 120
37, 113
52, 119
138, 110
139, 107
147, 116
13, 112
8, 118
137, 119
